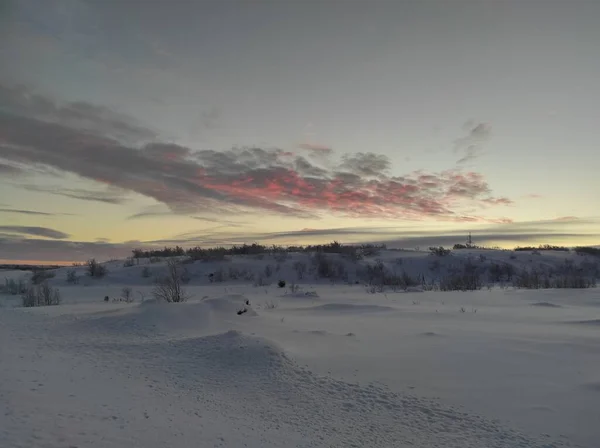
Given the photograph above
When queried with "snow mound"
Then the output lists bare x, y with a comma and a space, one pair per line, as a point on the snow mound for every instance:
151, 317
349, 308
231, 356
546, 305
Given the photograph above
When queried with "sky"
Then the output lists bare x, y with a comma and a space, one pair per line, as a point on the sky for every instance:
127, 124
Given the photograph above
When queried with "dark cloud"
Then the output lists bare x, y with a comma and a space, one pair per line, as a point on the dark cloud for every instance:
20, 100
471, 146
240, 180
107, 197
34, 231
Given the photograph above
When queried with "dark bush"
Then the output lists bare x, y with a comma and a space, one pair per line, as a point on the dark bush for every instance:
95, 269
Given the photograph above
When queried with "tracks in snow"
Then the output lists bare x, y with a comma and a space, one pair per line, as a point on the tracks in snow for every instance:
227, 389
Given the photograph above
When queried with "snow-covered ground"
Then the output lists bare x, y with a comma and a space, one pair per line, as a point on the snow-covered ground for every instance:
331, 364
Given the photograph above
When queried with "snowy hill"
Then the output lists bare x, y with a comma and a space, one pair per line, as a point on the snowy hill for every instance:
353, 351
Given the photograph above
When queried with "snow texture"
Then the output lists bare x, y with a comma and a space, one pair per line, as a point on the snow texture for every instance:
328, 365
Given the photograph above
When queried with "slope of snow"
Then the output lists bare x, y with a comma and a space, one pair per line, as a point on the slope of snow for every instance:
329, 364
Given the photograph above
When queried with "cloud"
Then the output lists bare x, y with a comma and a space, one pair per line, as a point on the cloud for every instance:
9, 170
471, 146
149, 214
107, 197
366, 164
210, 119
35, 231
240, 180
25, 212
20, 100
316, 148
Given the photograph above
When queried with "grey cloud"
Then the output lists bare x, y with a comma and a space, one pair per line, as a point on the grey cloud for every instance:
471, 146
142, 215
107, 197
9, 170
25, 212
366, 164
210, 118
35, 231
21, 100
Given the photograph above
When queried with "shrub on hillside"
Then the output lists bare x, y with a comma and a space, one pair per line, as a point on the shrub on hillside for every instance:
40, 295
169, 288
95, 269
39, 276
439, 251
461, 281
72, 277
127, 294
300, 267
14, 287
584, 250
541, 247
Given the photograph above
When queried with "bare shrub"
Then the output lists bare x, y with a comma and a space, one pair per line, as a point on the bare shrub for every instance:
268, 271
294, 288
185, 275
129, 262
40, 295
169, 288
127, 294
146, 273
72, 277
270, 305
466, 280
11, 286
583, 250
95, 269
29, 298
323, 266
300, 267
234, 274
281, 257
261, 281
440, 251
39, 276
218, 276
